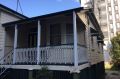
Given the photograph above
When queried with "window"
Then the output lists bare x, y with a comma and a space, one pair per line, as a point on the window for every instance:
69, 33
102, 0
115, 0
55, 34
117, 16
112, 34
118, 25
109, 8
105, 33
108, 1
92, 41
116, 7
32, 38
111, 26
110, 17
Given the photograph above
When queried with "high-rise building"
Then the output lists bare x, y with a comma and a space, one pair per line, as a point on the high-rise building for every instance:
108, 15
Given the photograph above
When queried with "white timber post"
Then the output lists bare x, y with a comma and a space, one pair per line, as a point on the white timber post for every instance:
75, 40
15, 43
38, 42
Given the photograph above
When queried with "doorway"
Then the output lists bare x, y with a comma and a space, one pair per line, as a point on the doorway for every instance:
32, 38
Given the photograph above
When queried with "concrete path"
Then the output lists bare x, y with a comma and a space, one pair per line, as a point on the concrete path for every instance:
112, 75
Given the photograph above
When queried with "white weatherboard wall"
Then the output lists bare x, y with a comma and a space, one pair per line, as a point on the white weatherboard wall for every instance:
96, 56
93, 56
4, 18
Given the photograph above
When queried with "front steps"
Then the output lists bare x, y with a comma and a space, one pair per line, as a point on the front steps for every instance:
5, 73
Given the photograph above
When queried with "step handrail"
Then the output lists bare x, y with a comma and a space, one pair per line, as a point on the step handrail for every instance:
3, 71
6, 55
2, 59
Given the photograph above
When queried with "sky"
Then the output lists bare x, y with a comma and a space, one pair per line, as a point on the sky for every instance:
32, 8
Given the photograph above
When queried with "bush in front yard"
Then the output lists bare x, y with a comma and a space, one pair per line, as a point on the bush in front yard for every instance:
115, 52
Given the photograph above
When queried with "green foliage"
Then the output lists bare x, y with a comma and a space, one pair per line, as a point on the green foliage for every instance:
115, 51
44, 73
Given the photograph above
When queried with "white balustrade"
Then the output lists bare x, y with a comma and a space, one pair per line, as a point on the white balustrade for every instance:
26, 55
7, 59
82, 54
57, 55
50, 55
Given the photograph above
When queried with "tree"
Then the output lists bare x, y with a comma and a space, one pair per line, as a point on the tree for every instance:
115, 51
44, 73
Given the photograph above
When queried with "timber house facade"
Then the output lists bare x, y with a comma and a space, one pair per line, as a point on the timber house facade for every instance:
67, 44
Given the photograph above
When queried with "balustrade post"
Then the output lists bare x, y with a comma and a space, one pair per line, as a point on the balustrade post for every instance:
15, 43
38, 42
75, 40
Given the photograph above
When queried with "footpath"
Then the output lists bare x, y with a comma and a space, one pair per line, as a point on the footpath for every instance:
112, 74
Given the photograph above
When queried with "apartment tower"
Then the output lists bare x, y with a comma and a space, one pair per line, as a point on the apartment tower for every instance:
108, 15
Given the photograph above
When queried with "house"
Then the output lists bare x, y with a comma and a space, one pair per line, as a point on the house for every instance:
7, 15
61, 45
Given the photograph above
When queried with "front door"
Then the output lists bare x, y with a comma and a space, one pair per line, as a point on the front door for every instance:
55, 34
32, 40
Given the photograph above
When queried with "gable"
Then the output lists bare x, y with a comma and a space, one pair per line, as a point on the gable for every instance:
6, 17
12, 12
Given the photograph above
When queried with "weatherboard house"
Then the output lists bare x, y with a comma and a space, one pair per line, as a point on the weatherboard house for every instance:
61, 45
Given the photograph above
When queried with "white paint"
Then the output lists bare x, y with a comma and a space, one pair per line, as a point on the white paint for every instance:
113, 15
15, 43
38, 42
1, 38
87, 36
71, 69
4, 42
57, 54
93, 55
75, 40
119, 7
5, 17
86, 3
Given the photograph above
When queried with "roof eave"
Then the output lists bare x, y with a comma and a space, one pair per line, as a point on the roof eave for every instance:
43, 16
95, 22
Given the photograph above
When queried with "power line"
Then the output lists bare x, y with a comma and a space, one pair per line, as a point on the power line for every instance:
19, 5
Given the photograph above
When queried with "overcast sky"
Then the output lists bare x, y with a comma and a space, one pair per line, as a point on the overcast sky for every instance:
33, 8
